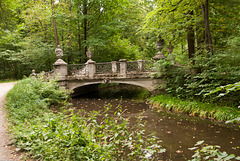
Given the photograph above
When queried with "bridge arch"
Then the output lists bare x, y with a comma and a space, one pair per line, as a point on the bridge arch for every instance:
84, 86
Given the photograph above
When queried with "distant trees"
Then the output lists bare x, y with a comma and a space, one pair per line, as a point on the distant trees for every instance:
30, 30
199, 24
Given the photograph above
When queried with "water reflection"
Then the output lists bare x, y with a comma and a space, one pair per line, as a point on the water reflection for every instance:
178, 132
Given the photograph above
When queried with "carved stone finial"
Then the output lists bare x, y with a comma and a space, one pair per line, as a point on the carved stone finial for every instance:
33, 74
89, 54
59, 52
159, 45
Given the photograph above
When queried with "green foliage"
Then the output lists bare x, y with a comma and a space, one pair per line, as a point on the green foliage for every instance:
27, 33
10, 59
210, 152
207, 75
67, 135
161, 67
176, 79
217, 71
116, 48
225, 90
30, 97
196, 108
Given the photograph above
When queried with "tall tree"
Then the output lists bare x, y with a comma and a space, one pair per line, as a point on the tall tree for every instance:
191, 39
54, 23
85, 22
208, 37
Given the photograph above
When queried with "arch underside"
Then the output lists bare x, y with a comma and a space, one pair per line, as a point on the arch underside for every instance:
80, 86
145, 83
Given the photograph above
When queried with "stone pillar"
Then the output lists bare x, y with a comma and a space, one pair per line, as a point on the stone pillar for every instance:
123, 67
60, 67
140, 65
114, 67
91, 66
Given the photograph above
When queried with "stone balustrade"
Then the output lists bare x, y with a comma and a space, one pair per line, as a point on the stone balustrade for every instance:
121, 68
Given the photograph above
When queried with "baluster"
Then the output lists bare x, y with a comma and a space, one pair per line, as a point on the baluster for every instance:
123, 67
114, 67
140, 65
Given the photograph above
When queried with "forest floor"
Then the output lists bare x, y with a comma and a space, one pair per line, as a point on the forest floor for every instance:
7, 153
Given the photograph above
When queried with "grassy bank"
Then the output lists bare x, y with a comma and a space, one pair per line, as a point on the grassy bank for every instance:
196, 108
68, 135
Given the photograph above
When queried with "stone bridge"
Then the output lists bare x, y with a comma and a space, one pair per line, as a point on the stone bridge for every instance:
82, 78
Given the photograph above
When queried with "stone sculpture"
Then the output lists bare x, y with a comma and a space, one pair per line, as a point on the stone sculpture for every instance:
159, 45
59, 52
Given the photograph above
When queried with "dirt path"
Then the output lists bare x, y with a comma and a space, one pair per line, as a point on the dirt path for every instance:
6, 154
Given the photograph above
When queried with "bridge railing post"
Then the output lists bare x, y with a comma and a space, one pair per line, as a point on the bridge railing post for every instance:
114, 67
140, 65
123, 67
60, 69
91, 66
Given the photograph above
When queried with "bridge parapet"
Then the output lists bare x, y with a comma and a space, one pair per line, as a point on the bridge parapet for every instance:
121, 68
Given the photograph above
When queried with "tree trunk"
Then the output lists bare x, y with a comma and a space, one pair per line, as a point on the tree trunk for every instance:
85, 24
191, 43
79, 37
191, 40
54, 25
208, 37
69, 33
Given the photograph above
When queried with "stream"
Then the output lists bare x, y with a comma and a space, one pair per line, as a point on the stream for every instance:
177, 131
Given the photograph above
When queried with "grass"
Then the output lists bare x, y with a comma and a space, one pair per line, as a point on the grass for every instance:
196, 108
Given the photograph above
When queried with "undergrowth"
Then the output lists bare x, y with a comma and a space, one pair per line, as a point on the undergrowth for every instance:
68, 135
196, 108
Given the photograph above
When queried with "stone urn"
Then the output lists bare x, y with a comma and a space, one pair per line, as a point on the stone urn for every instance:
159, 45
89, 54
